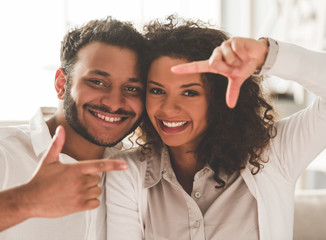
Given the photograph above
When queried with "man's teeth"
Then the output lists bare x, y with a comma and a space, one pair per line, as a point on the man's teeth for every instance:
108, 119
173, 124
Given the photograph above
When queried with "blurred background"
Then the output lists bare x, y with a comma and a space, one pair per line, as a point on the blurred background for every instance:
32, 30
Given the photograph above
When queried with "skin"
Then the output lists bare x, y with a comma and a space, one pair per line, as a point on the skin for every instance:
177, 107
104, 82
105, 77
237, 59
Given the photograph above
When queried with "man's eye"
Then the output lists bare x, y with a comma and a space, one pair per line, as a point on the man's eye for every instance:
156, 91
96, 82
132, 89
190, 93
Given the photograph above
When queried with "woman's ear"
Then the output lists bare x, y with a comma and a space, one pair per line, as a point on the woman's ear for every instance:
59, 83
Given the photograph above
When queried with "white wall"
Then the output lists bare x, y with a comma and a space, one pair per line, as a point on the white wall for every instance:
31, 32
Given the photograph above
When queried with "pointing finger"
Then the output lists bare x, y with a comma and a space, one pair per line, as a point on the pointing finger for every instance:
102, 165
192, 67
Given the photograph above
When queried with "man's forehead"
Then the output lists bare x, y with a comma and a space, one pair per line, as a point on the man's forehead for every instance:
108, 61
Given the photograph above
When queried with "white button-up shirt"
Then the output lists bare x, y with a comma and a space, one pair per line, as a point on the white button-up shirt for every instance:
146, 202
21, 148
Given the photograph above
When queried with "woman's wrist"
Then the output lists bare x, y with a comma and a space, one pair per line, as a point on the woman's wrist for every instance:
269, 57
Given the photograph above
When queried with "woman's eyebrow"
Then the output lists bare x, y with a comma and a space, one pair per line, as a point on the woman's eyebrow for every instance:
182, 86
155, 83
190, 85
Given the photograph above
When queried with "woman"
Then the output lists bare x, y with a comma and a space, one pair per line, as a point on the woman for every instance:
214, 164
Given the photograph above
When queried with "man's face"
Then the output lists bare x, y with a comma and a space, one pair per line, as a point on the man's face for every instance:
103, 97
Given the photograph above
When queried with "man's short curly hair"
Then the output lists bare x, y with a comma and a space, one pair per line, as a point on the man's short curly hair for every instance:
109, 31
233, 136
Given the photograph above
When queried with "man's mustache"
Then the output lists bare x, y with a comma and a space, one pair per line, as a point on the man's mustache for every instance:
105, 109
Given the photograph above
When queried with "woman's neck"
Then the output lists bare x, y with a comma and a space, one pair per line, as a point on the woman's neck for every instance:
185, 165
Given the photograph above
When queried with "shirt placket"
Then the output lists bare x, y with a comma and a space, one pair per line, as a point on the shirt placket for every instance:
196, 219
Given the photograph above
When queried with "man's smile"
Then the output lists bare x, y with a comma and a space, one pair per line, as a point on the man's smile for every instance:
108, 117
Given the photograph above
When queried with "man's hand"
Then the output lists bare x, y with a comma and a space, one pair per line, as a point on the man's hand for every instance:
56, 189
237, 59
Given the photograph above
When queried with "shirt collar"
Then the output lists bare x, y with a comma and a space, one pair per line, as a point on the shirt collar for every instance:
159, 165
40, 134
41, 137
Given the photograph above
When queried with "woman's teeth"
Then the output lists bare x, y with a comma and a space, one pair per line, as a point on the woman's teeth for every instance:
173, 124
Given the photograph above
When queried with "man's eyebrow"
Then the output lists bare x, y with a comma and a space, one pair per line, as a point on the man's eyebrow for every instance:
135, 80
105, 74
99, 72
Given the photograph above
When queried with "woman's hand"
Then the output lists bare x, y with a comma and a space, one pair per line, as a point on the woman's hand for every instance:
236, 58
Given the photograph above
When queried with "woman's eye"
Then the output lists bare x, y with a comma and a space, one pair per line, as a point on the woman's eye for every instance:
190, 93
156, 91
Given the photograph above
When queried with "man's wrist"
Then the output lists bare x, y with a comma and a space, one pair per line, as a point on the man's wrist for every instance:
12, 208
21, 202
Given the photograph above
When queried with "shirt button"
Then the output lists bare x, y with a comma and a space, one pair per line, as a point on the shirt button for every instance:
197, 224
197, 195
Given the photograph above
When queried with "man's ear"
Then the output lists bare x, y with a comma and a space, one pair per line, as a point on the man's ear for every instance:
59, 83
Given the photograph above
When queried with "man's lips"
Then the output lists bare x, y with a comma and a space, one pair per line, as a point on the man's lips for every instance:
172, 126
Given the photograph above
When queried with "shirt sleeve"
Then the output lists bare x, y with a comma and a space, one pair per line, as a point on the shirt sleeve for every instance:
300, 137
3, 169
124, 204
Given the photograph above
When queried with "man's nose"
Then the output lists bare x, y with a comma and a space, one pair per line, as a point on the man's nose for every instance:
113, 99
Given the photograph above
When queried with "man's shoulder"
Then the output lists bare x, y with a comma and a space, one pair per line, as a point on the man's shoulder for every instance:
14, 132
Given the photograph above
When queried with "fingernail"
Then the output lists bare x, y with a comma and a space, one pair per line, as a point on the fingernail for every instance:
123, 166
57, 131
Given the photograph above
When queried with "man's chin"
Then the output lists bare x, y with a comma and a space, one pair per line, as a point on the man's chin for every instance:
102, 142
107, 144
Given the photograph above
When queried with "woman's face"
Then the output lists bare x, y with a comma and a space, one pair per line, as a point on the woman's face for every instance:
176, 104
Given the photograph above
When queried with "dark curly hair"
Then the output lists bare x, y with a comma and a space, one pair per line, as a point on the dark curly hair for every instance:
233, 136
109, 31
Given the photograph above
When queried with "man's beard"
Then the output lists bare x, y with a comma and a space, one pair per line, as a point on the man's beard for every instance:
71, 115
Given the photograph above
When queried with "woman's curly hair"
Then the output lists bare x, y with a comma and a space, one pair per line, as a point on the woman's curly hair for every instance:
233, 136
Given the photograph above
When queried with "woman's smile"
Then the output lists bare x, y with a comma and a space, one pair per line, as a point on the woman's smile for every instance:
172, 126
176, 104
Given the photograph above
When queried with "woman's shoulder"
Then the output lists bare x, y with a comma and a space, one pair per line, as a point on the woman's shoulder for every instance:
134, 157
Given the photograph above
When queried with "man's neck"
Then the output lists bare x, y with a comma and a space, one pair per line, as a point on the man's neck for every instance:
75, 145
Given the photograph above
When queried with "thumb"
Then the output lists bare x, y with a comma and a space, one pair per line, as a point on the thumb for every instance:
232, 92
55, 147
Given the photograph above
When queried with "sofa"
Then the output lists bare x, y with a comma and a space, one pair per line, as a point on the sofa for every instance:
310, 215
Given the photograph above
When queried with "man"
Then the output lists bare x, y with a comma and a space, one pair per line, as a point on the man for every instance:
44, 193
